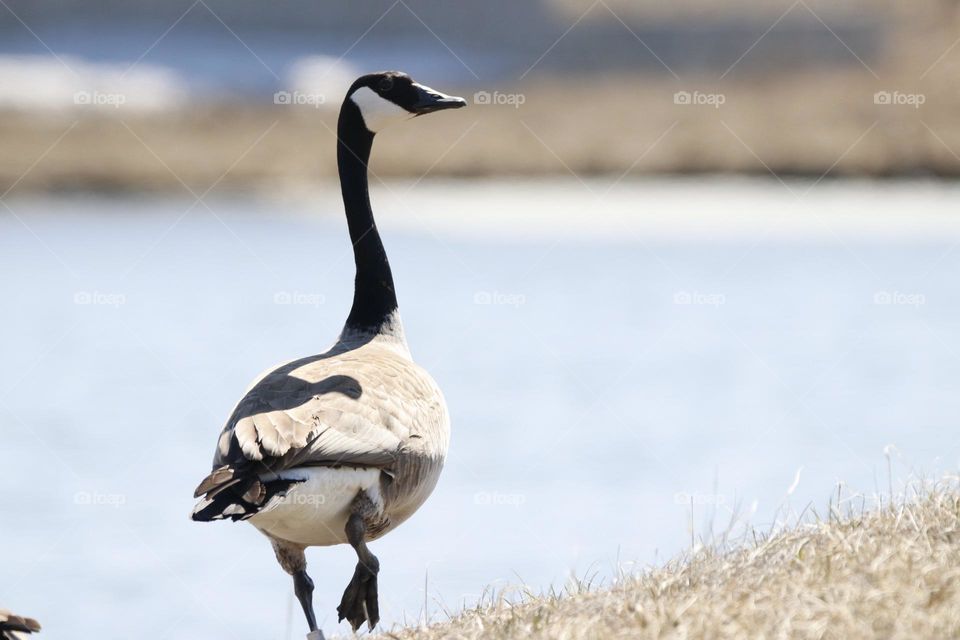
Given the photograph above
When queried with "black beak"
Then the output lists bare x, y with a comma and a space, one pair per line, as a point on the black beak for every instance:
430, 100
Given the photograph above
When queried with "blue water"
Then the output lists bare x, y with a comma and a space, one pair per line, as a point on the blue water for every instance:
610, 382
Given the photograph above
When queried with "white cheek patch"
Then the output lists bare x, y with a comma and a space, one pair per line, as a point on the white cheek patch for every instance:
377, 112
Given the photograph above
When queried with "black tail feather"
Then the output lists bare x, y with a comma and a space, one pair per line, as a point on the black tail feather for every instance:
10, 623
237, 498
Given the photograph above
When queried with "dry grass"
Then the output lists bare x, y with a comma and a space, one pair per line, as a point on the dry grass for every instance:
887, 573
790, 124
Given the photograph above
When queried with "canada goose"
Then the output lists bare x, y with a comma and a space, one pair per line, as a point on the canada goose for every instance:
14, 627
343, 446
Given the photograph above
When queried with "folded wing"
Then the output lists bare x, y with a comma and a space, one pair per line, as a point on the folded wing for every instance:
324, 412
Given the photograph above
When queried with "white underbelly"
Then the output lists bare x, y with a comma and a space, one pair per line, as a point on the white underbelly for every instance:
314, 512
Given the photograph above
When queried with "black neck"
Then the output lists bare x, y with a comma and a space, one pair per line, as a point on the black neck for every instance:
374, 298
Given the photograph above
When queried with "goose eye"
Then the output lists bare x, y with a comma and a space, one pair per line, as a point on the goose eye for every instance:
385, 84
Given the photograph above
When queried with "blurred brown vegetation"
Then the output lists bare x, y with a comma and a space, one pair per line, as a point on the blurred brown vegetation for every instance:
795, 121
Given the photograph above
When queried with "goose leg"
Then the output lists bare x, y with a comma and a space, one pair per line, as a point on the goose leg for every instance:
303, 587
360, 603
293, 560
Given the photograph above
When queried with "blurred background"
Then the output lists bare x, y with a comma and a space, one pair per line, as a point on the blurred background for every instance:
680, 269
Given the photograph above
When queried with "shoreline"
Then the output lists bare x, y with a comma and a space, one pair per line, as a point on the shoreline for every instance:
821, 125
648, 209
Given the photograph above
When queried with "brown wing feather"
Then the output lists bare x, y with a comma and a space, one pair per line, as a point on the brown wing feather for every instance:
11, 622
368, 406
353, 408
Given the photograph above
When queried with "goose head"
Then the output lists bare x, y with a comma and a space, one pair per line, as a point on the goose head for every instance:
391, 96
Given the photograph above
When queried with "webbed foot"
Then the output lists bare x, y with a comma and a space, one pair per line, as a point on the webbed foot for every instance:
359, 603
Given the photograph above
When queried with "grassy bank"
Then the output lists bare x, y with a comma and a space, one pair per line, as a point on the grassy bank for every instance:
629, 125
886, 573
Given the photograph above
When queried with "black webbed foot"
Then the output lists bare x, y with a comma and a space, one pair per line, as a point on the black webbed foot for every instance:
359, 603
